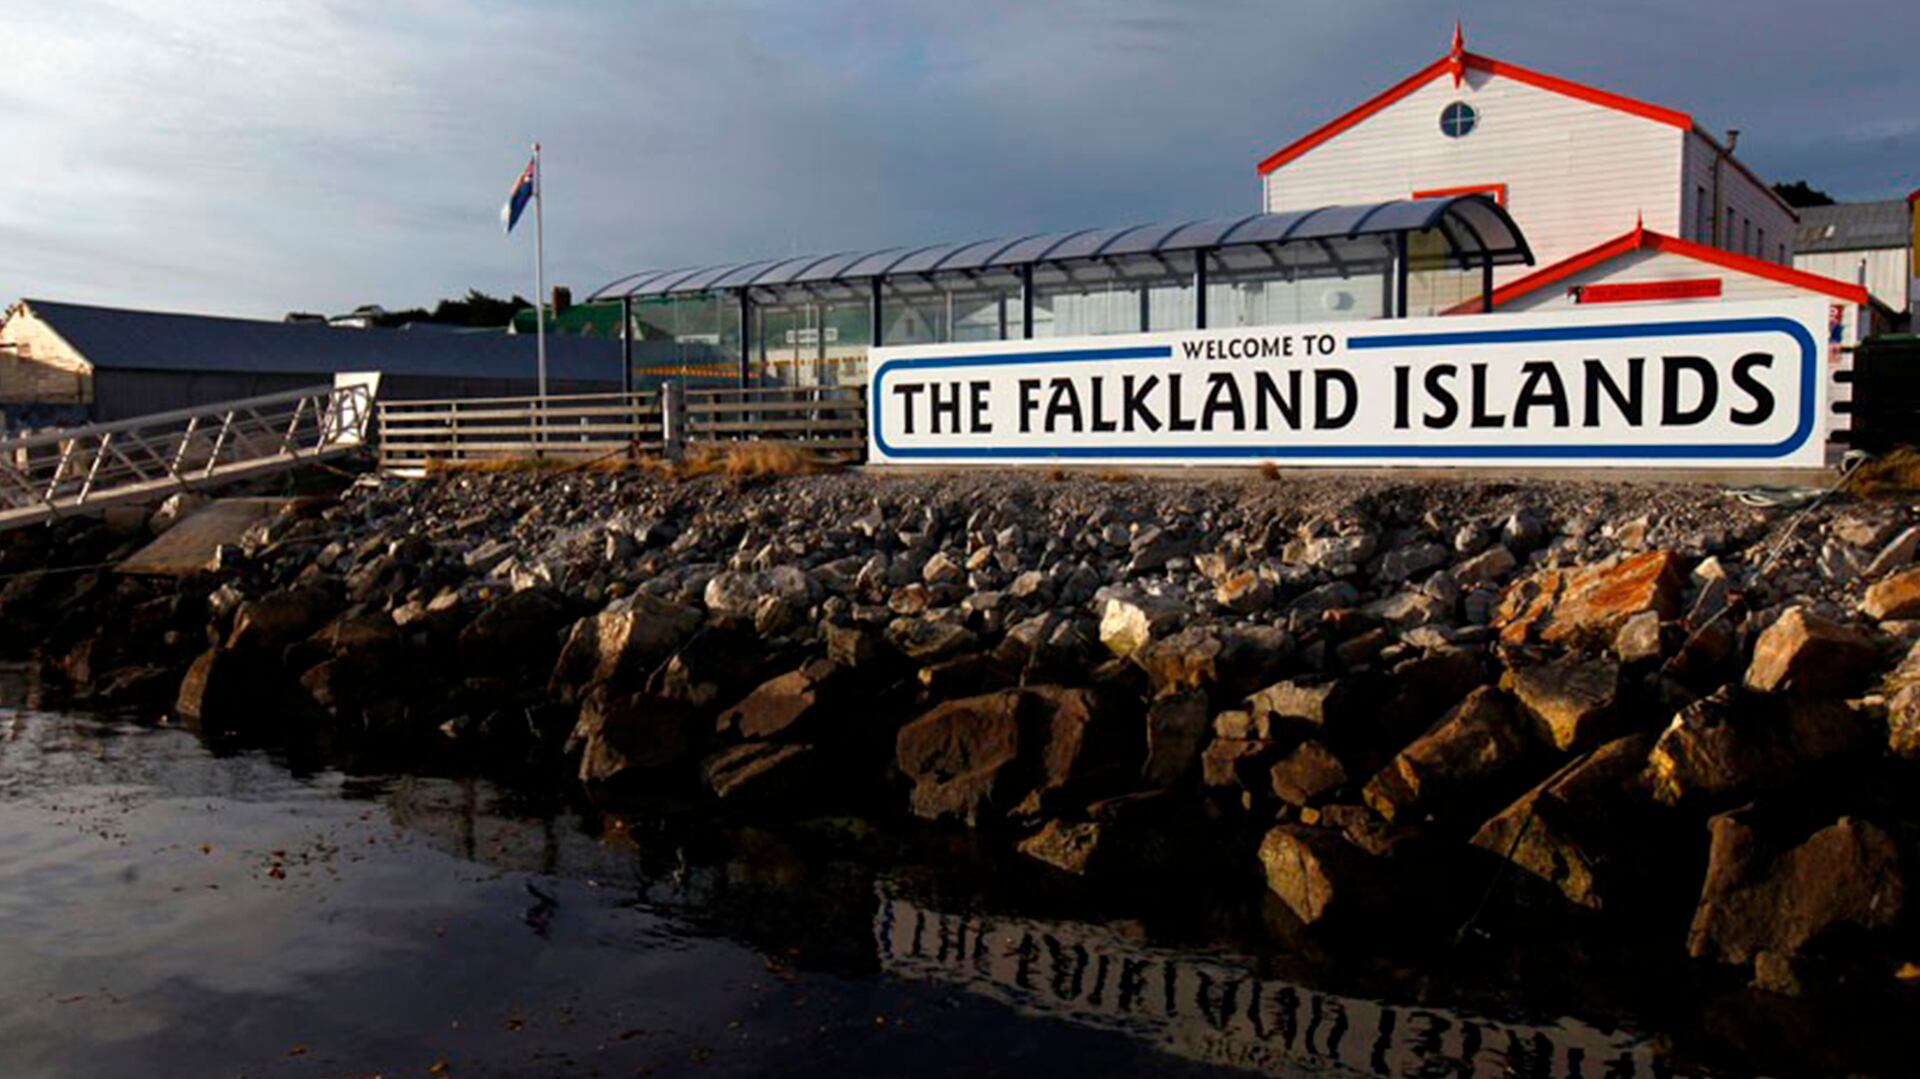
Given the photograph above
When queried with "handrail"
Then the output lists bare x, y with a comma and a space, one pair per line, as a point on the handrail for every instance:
156, 419
48, 474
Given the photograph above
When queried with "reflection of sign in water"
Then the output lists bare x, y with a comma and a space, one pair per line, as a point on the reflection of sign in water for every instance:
1210, 1010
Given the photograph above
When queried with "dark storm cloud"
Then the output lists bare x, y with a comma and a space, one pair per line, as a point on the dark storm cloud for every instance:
321, 153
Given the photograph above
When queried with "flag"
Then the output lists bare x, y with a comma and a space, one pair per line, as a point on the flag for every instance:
517, 198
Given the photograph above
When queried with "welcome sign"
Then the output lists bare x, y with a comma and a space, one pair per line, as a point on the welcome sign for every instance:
1709, 385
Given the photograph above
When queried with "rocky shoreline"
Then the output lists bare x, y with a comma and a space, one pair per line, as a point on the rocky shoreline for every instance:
1650, 711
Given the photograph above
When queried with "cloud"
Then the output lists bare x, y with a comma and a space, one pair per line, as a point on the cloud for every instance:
283, 154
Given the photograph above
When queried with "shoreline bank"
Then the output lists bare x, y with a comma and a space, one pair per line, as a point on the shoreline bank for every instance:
1637, 712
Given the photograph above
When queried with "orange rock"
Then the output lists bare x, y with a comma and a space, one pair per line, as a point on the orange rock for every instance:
1897, 596
1807, 653
1589, 605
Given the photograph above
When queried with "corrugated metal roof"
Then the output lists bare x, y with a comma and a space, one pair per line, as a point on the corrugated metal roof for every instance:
117, 338
1853, 226
1473, 224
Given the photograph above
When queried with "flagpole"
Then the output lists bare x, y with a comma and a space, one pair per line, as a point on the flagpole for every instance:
539, 274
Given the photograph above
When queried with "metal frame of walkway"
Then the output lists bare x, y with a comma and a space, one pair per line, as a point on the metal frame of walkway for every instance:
79, 470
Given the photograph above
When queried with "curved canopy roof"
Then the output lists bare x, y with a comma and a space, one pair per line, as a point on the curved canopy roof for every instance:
1477, 230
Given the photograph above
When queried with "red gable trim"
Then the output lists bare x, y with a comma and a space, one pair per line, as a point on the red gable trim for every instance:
1561, 270
1641, 239
1913, 196
1450, 62
1498, 191
1772, 271
1591, 94
1365, 109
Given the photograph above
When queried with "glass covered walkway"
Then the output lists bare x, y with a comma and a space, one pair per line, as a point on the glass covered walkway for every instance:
809, 320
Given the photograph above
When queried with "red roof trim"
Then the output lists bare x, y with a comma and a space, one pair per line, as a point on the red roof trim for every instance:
1591, 94
1772, 271
1365, 109
1561, 270
1913, 196
1451, 62
1641, 239
1498, 191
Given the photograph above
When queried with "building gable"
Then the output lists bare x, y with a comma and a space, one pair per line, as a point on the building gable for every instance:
1574, 163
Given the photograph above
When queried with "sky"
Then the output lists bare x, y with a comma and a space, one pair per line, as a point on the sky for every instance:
257, 157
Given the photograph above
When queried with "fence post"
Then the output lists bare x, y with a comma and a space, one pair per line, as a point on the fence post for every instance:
673, 420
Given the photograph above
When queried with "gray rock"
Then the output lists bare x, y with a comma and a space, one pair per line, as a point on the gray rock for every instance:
1128, 620
1489, 567
1524, 531
1897, 554
1404, 562
1638, 640
942, 569
1331, 596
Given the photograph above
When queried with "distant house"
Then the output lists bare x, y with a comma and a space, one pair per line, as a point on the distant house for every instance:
106, 363
1867, 243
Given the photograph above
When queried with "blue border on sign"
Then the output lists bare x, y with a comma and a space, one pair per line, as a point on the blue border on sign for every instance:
1809, 372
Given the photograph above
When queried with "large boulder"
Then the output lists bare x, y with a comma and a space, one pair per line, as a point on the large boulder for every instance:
715, 664
1805, 653
1572, 700
1227, 662
623, 644
1729, 746
1309, 706
1848, 875
963, 757
623, 736
516, 632
1588, 606
1128, 620
219, 694
789, 706
927, 640
1897, 596
1570, 830
1308, 775
1015, 751
1177, 729
1462, 768
1079, 740
1316, 873
269, 624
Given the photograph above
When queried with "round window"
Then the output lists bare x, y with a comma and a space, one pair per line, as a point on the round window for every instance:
1457, 119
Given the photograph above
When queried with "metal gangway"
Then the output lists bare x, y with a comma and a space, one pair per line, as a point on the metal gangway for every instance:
76, 470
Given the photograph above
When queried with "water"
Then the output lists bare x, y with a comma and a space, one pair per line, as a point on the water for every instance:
165, 911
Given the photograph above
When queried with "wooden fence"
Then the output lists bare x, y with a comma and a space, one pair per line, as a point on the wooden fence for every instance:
665, 422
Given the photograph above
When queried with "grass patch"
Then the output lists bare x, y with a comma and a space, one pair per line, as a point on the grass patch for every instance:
1894, 474
737, 460
744, 460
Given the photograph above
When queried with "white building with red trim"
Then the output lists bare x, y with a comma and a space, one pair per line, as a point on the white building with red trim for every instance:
1623, 201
